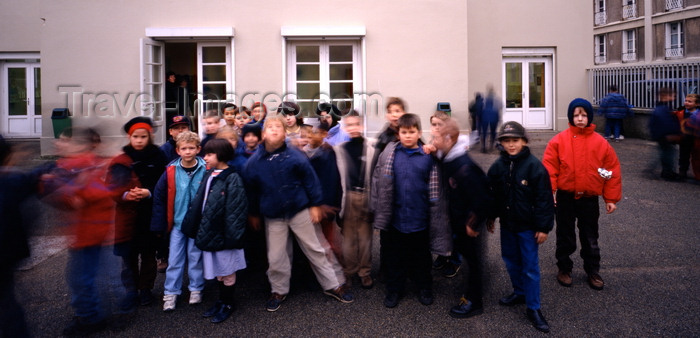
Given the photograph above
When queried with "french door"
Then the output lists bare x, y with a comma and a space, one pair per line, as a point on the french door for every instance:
21, 100
528, 87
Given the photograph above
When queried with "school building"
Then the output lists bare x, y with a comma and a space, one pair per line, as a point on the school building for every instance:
106, 61
641, 46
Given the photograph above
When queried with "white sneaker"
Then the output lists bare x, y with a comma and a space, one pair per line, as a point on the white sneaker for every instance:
621, 137
195, 297
169, 302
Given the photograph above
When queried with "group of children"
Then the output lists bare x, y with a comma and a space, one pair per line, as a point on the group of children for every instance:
276, 176
677, 133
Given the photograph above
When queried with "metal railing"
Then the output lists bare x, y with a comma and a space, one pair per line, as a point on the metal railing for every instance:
629, 57
640, 84
601, 18
629, 11
674, 52
674, 4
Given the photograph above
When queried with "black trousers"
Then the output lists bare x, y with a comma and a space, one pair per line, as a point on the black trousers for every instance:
471, 249
684, 150
582, 213
407, 256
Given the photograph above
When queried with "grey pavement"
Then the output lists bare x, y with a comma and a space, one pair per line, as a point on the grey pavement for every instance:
650, 263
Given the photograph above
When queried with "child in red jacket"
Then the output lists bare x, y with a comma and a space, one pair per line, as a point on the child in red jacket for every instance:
582, 166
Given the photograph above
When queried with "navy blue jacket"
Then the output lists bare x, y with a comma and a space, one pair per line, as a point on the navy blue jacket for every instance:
168, 149
522, 193
614, 106
281, 183
663, 123
326, 169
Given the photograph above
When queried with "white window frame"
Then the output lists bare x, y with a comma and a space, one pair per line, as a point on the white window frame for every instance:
201, 103
629, 9
674, 5
600, 14
325, 37
629, 45
600, 56
152, 71
674, 50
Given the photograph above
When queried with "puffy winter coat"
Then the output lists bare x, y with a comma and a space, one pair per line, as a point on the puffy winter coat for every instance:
573, 158
522, 193
221, 224
614, 106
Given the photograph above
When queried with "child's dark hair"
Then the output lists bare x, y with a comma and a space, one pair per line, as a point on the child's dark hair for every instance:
409, 121
82, 135
252, 128
222, 148
290, 108
229, 105
395, 101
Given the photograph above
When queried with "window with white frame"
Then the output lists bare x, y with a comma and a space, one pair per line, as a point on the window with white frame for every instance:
629, 9
629, 45
601, 17
600, 49
674, 39
324, 70
672, 5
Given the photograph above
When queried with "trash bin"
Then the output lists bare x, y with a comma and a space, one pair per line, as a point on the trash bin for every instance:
444, 106
60, 118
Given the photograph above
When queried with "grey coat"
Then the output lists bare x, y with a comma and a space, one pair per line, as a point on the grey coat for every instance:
382, 197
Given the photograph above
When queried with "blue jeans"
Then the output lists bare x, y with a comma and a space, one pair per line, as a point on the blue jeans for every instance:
92, 275
613, 126
183, 250
82, 280
519, 252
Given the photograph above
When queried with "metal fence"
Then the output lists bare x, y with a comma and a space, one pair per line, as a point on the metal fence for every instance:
640, 84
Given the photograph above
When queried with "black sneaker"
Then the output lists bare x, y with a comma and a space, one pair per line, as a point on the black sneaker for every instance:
465, 309
213, 310
425, 297
450, 270
341, 293
224, 312
391, 300
274, 302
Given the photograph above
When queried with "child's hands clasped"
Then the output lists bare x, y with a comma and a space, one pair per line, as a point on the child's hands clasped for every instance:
137, 194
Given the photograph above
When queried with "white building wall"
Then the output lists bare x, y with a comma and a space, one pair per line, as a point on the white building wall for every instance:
417, 51
565, 26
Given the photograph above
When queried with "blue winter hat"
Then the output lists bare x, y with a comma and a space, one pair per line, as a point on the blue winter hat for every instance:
583, 103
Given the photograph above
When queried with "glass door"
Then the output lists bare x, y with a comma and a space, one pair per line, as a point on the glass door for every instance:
528, 91
22, 100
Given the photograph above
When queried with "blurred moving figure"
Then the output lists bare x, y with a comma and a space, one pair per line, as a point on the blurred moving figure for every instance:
76, 184
15, 188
